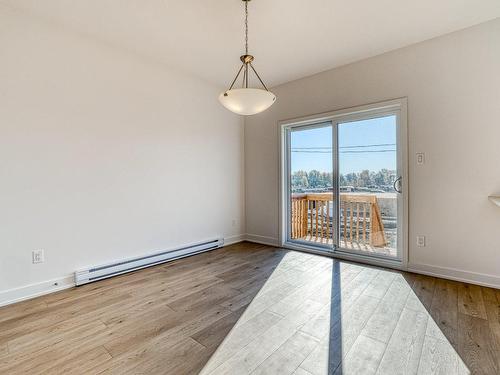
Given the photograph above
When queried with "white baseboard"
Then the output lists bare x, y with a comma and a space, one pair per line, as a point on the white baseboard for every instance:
10, 296
271, 241
234, 239
455, 274
26, 292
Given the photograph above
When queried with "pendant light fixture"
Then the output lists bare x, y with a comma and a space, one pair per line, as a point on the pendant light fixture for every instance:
245, 100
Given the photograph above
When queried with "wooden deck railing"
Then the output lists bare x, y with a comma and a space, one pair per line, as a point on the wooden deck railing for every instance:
360, 219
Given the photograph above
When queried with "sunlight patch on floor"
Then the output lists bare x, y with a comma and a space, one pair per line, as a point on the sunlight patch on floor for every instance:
317, 316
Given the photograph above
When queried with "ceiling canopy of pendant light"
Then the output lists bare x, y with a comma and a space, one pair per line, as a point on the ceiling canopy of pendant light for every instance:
245, 100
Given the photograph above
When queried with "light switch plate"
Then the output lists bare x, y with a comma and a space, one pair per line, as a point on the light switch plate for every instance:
421, 241
420, 158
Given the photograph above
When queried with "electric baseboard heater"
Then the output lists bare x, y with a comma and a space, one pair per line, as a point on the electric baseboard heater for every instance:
105, 271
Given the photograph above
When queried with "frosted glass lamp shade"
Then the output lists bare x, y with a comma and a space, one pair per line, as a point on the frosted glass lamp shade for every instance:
247, 101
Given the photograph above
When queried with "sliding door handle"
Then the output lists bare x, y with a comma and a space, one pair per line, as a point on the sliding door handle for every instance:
398, 185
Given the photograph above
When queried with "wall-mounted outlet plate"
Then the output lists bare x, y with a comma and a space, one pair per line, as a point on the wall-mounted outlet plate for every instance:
38, 256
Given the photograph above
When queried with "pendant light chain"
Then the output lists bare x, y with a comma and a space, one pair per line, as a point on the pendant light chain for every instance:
246, 27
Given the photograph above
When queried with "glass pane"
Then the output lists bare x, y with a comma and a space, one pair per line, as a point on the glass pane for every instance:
367, 172
311, 184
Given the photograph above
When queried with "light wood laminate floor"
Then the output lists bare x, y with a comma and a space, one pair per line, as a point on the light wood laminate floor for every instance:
256, 309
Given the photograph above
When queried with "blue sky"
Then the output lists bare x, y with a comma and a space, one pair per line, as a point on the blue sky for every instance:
366, 144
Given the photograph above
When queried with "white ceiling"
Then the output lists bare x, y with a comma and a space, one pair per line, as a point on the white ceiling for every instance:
289, 39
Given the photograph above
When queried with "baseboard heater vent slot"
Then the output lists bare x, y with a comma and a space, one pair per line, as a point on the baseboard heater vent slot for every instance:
105, 271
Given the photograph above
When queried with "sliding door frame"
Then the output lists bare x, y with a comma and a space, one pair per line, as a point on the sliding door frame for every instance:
396, 106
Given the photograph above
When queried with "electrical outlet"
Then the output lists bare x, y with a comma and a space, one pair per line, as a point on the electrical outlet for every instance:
420, 158
38, 256
421, 241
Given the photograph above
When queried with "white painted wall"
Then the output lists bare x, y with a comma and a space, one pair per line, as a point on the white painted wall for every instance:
453, 89
104, 156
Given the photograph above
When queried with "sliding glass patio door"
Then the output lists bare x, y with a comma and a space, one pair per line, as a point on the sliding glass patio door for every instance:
310, 189
343, 185
369, 186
